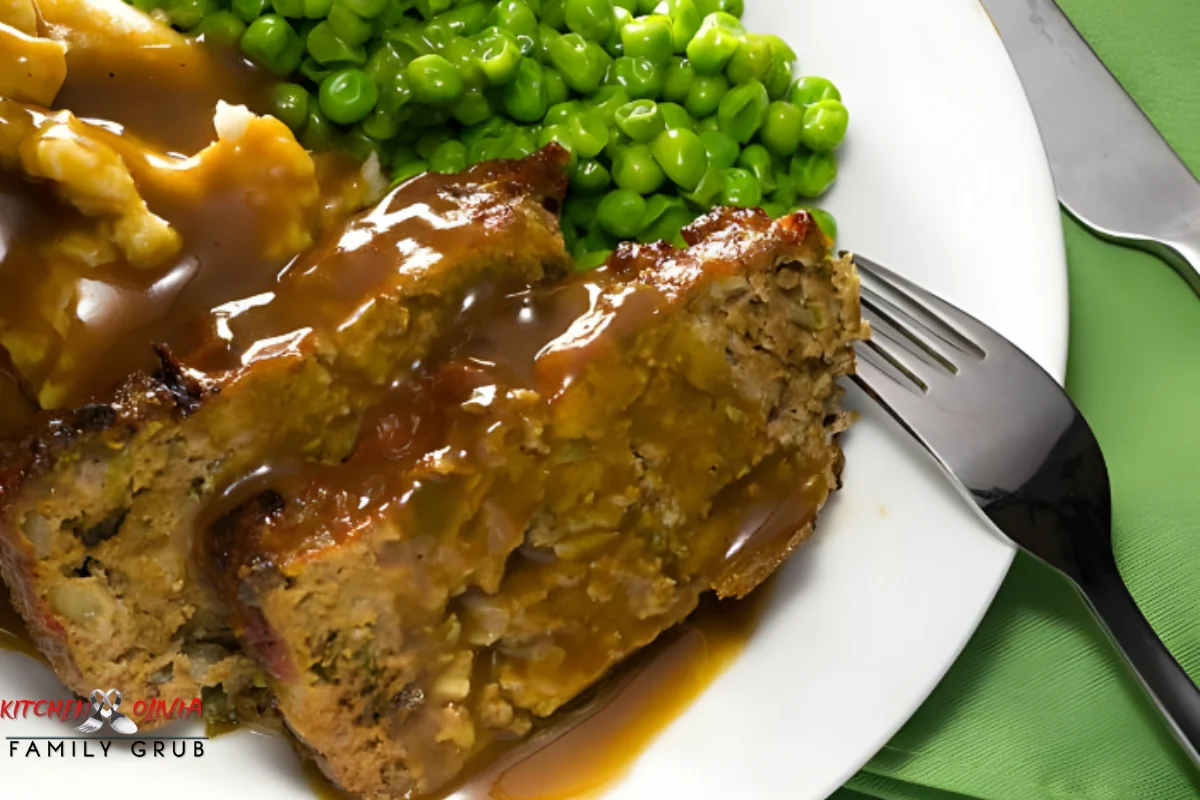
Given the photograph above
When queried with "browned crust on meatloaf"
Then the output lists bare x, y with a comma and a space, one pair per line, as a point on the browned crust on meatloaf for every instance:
97, 505
579, 519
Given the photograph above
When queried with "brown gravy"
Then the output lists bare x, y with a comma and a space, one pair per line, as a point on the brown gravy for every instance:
590, 745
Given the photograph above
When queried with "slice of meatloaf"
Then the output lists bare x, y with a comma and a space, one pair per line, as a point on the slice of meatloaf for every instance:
98, 506
577, 465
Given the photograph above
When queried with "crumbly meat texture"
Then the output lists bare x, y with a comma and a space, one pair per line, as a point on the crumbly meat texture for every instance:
98, 506
547, 519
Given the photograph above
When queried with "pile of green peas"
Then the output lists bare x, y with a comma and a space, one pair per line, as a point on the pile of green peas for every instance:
666, 107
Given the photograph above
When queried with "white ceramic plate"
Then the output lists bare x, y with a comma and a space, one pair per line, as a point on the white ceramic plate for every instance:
943, 179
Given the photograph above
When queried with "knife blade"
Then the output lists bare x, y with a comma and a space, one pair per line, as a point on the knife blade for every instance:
1114, 171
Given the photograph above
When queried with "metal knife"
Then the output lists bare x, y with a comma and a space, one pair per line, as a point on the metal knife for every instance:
1113, 170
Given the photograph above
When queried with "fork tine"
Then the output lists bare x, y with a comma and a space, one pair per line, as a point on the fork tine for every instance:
884, 324
928, 311
878, 368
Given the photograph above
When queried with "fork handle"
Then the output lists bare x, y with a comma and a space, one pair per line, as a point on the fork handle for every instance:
1176, 696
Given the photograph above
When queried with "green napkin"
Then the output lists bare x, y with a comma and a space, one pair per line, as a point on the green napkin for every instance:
1039, 706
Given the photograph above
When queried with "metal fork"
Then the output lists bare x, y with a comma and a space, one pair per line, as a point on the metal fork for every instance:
1015, 445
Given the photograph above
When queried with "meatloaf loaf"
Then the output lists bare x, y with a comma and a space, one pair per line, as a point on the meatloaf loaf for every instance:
575, 465
98, 506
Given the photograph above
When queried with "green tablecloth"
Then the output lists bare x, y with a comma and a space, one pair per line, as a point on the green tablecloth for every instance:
1038, 706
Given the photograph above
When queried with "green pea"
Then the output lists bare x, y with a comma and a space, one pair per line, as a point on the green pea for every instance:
450, 157
187, 14
579, 210
361, 146
431, 140
367, 8
581, 63
406, 172
642, 78
757, 160
592, 19
272, 42
785, 190
318, 131
704, 95
591, 259
348, 95
523, 144
648, 38
556, 88
686, 20
743, 110
395, 92
462, 53
546, 35
492, 127
487, 149
622, 213
431, 8
811, 89
779, 47
825, 221
607, 99
678, 81
314, 70
752, 61
721, 148
635, 169
589, 132
682, 157
435, 81
630, 6
326, 47
708, 191
825, 125
402, 154
289, 104
782, 127
220, 26
734, 7
515, 17
740, 188
644, 7
525, 97
466, 20
666, 217
590, 176
394, 13
408, 40
617, 141
779, 79
640, 120
709, 123
773, 210
249, 10
348, 26
570, 237
813, 173
472, 108
499, 55
613, 44
287, 8
561, 113
718, 39
383, 124
675, 116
